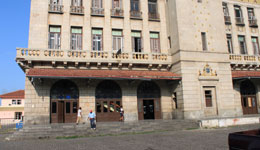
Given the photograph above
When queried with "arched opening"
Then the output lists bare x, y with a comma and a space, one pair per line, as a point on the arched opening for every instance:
149, 101
108, 101
248, 97
64, 96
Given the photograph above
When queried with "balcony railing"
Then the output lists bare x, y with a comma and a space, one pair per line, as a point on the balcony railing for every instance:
97, 11
92, 56
154, 16
241, 59
252, 22
240, 21
136, 14
117, 12
77, 10
227, 19
55, 8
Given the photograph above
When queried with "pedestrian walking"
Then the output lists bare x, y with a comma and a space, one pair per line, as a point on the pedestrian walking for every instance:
121, 114
92, 117
79, 116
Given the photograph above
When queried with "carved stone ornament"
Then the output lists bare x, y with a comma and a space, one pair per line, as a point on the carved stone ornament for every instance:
207, 71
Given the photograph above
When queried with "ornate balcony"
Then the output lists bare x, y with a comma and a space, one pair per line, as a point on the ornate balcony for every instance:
244, 61
117, 12
136, 14
154, 16
96, 58
240, 21
252, 22
77, 10
227, 19
97, 11
55, 8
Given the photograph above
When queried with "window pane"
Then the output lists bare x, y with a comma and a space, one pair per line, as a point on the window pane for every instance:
105, 107
75, 107
112, 106
54, 107
67, 107
118, 104
98, 105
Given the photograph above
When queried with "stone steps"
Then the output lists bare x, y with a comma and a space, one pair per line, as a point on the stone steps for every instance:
63, 130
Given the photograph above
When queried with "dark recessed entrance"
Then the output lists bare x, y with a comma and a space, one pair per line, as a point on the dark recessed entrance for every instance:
108, 101
248, 97
149, 101
64, 102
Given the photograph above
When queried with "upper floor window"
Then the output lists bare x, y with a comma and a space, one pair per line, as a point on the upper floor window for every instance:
117, 8
18, 115
76, 38
97, 7
136, 41
97, 42
251, 17
135, 9
155, 42
229, 43
77, 7
13, 102
242, 44
226, 13
117, 40
56, 6
204, 41
54, 37
19, 102
255, 45
239, 15
152, 9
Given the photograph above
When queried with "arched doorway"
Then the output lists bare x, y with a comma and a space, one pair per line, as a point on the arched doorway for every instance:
149, 101
64, 102
108, 101
248, 97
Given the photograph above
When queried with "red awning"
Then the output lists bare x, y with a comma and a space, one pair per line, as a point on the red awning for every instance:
113, 74
245, 74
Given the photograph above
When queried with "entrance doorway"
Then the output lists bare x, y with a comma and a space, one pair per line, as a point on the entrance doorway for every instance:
148, 109
64, 102
108, 101
149, 101
248, 97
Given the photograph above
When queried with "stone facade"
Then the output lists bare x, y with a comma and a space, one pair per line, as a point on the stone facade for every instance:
193, 44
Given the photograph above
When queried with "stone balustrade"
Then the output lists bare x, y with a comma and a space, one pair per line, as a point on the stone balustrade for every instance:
92, 56
244, 58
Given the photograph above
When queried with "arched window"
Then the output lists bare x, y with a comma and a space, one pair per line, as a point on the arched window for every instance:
64, 89
247, 88
108, 89
148, 90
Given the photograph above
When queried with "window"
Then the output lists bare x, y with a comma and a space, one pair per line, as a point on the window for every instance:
255, 45
242, 44
18, 115
152, 6
155, 42
225, 9
76, 38
67, 107
56, 6
13, 102
239, 15
97, 3
208, 98
135, 5
75, 107
117, 40
56, 2
76, 3
19, 102
105, 106
97, 40
229, 43
116, 4
204, 41
54, 37
136, 41
251, 14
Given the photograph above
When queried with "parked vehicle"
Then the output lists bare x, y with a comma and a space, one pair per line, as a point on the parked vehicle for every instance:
245, 140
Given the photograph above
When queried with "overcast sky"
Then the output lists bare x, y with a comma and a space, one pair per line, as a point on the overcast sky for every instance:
14, 26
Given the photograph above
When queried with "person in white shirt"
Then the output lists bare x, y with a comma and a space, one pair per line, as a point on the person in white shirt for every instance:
121, 114
79, 115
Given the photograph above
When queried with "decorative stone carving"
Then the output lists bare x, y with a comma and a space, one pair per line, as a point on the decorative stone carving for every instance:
207, 71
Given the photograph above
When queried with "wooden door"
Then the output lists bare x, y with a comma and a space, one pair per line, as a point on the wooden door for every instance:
149, 109
71, 108
249, 105
108, 110
61, 112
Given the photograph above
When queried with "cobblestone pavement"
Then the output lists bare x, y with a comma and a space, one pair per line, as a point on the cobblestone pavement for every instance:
210, 139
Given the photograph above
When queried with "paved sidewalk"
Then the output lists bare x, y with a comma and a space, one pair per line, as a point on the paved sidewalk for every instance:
211, 139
